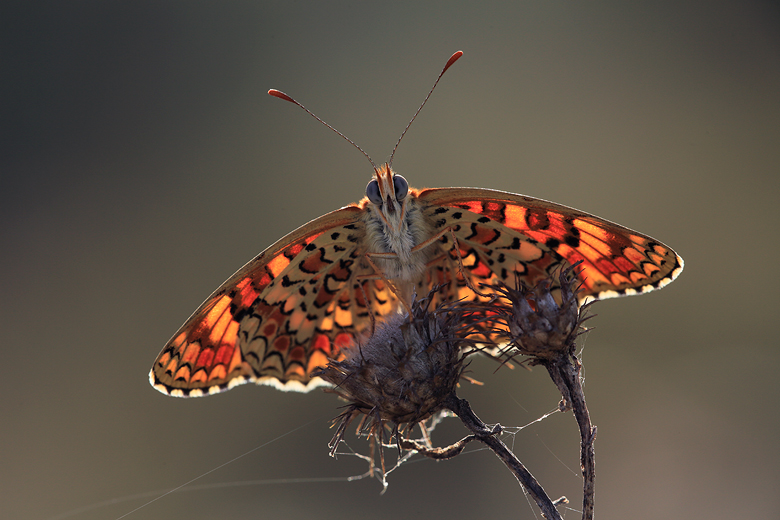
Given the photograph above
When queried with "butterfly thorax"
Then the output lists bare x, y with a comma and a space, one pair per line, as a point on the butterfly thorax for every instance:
413, 229
395, 225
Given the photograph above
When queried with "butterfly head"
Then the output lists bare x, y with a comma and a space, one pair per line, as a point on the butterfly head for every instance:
388, 192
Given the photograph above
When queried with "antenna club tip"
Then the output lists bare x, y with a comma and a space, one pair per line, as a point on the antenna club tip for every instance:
281, 95
455, 57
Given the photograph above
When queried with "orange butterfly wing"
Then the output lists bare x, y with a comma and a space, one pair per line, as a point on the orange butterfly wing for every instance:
503, 234
280, 316
299, 302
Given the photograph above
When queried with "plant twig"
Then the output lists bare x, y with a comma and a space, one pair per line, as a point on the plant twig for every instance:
565, 372
449, 452
488, 436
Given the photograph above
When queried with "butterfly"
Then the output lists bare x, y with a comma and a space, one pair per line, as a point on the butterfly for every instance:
314, 292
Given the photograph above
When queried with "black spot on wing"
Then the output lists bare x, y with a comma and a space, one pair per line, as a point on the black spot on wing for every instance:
572, 240
239, 314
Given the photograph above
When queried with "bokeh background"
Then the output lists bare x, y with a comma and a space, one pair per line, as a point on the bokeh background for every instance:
142, 163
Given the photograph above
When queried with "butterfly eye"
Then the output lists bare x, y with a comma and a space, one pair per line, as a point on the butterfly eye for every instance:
372, 192
401, 187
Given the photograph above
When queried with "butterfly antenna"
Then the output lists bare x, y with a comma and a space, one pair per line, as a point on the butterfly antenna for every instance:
450, 61
282, 95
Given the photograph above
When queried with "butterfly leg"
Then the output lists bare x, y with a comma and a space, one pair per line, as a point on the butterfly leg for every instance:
438, 237
379, 275
370, 312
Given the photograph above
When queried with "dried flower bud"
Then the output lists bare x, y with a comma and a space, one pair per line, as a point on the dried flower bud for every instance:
405, 370
537, 324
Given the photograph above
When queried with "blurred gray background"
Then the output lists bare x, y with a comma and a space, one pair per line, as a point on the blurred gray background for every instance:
142, 163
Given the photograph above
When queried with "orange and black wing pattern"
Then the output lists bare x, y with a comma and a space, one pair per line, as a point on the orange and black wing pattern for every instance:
286, 312
507, 236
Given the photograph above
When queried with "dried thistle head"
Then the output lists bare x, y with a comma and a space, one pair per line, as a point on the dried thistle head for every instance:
404, 372
537, 324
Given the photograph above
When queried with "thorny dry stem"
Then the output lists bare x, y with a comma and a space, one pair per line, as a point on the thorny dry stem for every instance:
410, 367
546, 329
480, 431
565, 373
